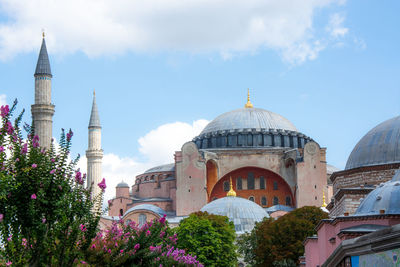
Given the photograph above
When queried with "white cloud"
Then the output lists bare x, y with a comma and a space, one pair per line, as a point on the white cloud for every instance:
158, 147
105, 27
3, 100
335, 26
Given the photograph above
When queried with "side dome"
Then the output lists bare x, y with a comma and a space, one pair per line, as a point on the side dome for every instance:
242, 212
122, 185
249, 118
381, 145
386, 197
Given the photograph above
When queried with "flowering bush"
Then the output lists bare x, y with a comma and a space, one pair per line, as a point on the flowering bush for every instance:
47, 217
128, 244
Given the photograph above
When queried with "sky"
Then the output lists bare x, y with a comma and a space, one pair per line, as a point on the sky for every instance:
163, 69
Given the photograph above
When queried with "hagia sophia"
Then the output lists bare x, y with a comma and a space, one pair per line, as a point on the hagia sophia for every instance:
251, 163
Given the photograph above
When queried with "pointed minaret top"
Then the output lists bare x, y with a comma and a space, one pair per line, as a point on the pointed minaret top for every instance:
231, 192
94, 116
43, 64
248, 104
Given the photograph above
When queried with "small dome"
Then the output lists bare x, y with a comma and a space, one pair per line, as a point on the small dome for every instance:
379, 146
385, 197
122, 184
242, 212
249, 118
147, 207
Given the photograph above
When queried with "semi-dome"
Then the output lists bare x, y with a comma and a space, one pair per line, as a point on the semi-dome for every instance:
250, 127
381, 145
242, 212
385, 198
249, 118
147, 207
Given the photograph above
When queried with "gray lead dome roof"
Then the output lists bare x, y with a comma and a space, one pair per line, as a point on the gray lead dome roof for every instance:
381, 145
385, 197
249, 118
242, 212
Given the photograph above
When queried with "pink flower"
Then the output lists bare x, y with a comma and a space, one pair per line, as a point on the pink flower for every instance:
34, 165
33, 196
162, 220
137, 246
1, 217
109, 202
17, 159
121, 251
9, 238
44, 220
1, 149
4, 110
52, 171
35, 141
83, 228
8, 263
148, 233
10, 128
52, 160
93, 246
102, 184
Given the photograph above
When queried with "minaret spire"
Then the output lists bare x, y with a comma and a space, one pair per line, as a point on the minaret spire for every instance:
94, 153
43, 110
248, 104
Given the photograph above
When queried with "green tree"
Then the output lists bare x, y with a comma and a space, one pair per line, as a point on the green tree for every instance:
280, 242
210, 237
47, 217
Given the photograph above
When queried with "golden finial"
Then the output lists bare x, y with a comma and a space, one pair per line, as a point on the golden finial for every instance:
43, 34
323, 199
231, 192
248, 104
94, 92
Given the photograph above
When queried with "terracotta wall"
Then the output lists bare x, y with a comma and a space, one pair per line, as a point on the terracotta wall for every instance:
282, 192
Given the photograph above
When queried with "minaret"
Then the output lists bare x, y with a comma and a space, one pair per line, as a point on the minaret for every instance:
43, 110
94, 154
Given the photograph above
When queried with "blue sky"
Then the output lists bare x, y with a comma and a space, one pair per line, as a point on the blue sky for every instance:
161, 68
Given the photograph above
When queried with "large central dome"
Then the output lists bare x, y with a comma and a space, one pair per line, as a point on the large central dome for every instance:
250, 128
249, 118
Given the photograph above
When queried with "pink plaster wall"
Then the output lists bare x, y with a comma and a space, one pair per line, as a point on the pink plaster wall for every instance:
327, 230
117, 204
122, 192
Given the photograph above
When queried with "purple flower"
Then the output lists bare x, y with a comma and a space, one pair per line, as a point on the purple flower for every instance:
78, 177
102, 184
34, 165
1, 217
24, 149
4, 110
35, 141
33, 196
52, 160
1, 149
52, 171
44, 220
17, 159
10, 128
69, 135
162, 220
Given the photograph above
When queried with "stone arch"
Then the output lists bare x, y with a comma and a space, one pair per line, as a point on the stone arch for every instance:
212, 176
283, 189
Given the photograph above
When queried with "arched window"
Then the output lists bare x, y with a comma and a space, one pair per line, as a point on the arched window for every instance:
275, 185
250, 181
263, 201
239, 183
288, 201
226, 186
142, 219
121, 212
276, 200
262, 182
251, 199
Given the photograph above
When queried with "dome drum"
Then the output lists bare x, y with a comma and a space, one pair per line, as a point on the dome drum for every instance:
251, 138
